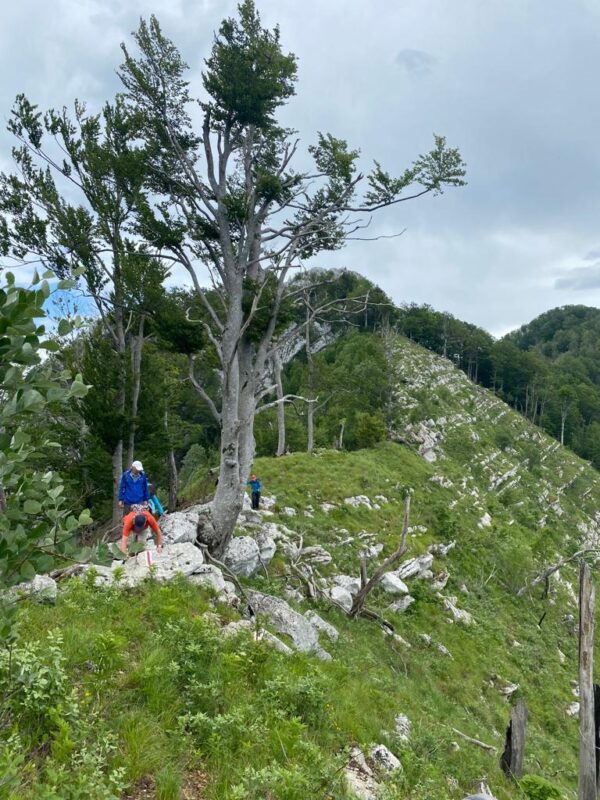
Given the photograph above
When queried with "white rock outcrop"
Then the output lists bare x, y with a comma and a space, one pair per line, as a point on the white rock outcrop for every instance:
347, 582
392, 584
176, 559
458, 614
403, 727
414, 566
181, 526
288, 621
360, 778
384, 759
401, 605
211, 577
242, 556
41, 589
322, 625
341, 596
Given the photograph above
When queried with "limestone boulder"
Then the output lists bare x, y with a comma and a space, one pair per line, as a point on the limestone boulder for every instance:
242, 556
414, 567
287, 621
403, 727
322, 625
181, 526
211, 577
384, 759
341, 596
347, 582
392, 584
360, 778
401, 605
266, 546
41, 589
176, 559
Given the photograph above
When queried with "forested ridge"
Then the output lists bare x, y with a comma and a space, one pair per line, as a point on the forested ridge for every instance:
547, 370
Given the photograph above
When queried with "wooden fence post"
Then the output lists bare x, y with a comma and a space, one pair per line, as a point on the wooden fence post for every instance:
587, 725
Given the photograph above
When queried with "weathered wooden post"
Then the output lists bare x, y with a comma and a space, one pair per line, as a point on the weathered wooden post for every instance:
587, 726
514, 747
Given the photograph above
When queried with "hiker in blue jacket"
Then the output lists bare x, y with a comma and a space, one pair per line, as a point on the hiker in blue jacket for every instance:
255, 487
134, 488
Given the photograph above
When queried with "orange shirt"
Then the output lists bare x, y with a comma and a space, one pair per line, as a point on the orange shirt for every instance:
128, 522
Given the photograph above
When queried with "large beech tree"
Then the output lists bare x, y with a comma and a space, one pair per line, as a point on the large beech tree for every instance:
228, 204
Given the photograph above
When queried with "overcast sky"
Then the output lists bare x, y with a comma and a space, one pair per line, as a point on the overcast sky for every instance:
513, 83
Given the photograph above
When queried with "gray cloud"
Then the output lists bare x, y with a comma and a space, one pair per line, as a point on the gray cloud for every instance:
415, 62
498, 252
580, 279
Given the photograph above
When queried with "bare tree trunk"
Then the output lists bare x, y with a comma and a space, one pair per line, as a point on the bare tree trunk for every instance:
228, 499
173, 481
280, 404
172, 465
587, 732
117, 470
310, 411
136, 380
117, 456
342, 428
310, 426
514, 749
563, 419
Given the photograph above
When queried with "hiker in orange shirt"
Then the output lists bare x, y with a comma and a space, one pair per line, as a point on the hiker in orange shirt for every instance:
138, 522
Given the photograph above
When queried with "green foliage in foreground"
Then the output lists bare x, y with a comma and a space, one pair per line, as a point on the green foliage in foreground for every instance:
36, 522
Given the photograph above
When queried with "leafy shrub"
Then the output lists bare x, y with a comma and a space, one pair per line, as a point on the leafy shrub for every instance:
537, 788
38, 695
292, 782
305, 697
369, 428
35, 684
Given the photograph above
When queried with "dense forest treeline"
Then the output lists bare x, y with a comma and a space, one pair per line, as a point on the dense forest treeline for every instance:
549, 370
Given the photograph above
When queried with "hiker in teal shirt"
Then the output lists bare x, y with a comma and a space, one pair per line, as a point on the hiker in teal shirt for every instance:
155, 505
255, 487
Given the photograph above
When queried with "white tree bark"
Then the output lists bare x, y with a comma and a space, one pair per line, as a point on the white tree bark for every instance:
280, 404
137, 346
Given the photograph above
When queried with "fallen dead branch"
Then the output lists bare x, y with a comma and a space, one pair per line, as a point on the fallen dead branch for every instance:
490, 748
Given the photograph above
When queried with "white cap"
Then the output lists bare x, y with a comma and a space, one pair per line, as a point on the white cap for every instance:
138, 466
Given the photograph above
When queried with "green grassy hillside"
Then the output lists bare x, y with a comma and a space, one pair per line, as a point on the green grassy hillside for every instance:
142, 684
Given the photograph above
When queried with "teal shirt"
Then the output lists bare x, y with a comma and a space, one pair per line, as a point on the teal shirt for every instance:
155, 506
254, 485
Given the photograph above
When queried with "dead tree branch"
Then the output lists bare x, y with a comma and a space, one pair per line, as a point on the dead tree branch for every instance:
543, 576
490, 748
359, 600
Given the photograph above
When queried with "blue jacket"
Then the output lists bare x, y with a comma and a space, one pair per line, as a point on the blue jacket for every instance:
254, 485
133, 491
